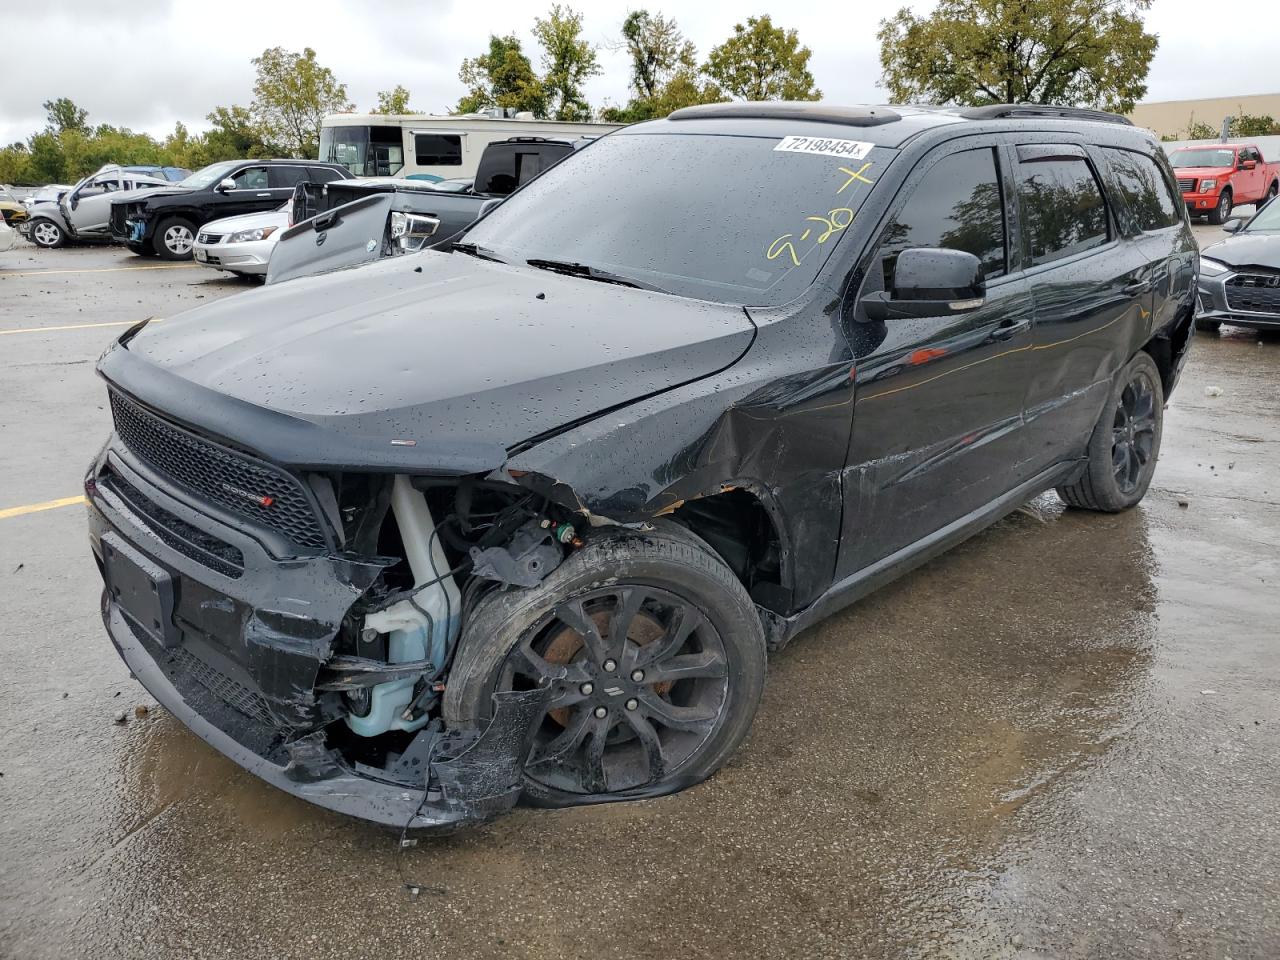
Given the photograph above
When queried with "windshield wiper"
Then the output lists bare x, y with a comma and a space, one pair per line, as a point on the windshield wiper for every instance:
591, 273
475, 250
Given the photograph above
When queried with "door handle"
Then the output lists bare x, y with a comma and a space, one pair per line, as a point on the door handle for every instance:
1136, 286
264, 194
1010, 329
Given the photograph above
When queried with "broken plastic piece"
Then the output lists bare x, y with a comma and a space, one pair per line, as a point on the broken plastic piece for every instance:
525, 562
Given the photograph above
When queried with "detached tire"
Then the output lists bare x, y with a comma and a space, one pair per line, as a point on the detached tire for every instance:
665, 661
1125, 442
174, 238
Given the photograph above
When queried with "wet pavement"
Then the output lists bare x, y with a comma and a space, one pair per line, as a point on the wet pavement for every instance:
1060, 740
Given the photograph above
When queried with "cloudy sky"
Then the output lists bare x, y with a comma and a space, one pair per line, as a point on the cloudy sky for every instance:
145, 65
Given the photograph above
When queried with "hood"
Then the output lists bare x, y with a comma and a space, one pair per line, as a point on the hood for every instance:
248, 221
1247, 250
1199, 172
148, 193
432, 348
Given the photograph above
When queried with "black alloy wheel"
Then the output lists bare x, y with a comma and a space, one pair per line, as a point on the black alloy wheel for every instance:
1133, 432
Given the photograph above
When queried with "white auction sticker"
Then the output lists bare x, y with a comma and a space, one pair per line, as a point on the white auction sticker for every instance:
848, 149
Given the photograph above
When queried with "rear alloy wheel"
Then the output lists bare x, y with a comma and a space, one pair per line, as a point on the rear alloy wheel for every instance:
1125, 443
47, 234
174, 239
1222, 211
663, 662
1272, 191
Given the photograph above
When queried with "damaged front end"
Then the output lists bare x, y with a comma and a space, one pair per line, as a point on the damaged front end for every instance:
304, 624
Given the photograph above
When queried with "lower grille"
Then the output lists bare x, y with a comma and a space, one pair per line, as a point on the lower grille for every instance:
1187, 185
229, 691
251, 488
118, 228
190, 541
1254, 293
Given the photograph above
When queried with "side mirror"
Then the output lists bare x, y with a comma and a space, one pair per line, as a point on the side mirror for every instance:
1233, 225
225, 185
930, 282
1248, 164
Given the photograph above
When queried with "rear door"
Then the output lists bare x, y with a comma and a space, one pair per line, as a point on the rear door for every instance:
1093, 294
937, 429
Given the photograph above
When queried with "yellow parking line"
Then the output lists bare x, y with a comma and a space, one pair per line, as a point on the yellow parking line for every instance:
77, 326
152, 266
8, 512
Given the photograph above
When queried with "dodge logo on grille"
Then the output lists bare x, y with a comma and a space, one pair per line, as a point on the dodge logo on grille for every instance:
257, 499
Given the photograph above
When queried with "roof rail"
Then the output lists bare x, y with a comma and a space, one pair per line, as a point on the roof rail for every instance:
853, 116
1001, 111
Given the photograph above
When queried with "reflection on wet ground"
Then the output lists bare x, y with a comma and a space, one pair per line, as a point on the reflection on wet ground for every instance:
1060, 740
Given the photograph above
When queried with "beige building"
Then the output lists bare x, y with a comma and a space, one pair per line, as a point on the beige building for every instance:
1170, 118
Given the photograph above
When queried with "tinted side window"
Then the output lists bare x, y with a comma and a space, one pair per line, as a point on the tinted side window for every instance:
957, 205
280, 177
323, 174
1062, 207
1146, 192
437, 149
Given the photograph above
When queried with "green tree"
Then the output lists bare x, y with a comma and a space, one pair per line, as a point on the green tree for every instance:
1078, 52
567, 60
503, 77
664, 70
47, 163
292, 95
232, 136
65, 115
395, 100
15, 164
762, 62
1199, 130
1247, 125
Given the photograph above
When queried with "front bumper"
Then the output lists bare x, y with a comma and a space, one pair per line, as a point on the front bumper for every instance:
1200, 202
248, 257
1216, 301
236, 661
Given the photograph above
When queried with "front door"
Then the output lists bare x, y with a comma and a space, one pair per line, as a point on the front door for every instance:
88, 209
937, 431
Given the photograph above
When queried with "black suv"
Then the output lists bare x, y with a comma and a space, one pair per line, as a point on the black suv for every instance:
520, 517
164, 222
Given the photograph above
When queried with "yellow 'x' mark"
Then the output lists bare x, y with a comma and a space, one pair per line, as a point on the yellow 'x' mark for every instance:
855, 176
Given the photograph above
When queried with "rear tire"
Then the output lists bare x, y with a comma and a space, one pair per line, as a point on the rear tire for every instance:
1219, 214
651, 703
1272, 191
46, 234
1125, 442
174, 238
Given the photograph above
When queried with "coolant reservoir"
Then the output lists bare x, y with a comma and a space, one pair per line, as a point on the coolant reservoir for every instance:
422, 630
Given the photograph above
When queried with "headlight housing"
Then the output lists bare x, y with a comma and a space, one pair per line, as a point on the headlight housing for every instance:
411, 231
1207, 185
257, 233
1212, 268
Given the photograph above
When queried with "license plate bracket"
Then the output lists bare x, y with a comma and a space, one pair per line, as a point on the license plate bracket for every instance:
141, 588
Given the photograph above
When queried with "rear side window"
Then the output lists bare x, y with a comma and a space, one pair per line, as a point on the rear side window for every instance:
1147, 193
957, 205
324, 174
1062, 209
437, 149
280, 177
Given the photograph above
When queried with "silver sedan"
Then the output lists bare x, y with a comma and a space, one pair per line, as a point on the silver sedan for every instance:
241, 245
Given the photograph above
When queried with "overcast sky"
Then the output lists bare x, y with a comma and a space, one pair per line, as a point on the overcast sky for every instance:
145, 65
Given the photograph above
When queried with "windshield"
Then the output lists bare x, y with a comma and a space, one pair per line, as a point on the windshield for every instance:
1266, 220
1203, 158
732, 219
207, 176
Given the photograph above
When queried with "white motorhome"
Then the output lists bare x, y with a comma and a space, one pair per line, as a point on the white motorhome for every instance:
403, 145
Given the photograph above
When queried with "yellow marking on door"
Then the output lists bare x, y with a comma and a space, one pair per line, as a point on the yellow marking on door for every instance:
8, 512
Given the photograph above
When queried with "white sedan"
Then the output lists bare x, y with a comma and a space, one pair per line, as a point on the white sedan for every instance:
241, 245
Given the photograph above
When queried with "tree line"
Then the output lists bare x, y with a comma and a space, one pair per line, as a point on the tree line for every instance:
1092, 53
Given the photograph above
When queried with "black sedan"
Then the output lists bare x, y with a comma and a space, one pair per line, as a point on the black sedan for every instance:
1240, 276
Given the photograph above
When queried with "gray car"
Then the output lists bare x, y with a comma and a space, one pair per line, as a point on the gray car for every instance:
84, 211
1240, 276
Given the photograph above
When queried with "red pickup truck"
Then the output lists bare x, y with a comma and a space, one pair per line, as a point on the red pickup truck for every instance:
1214, 177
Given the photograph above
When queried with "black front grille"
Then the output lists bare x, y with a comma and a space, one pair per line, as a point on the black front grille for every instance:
1187, 185
210, 238
190, 541
119, 230
246, 486
1254, 292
